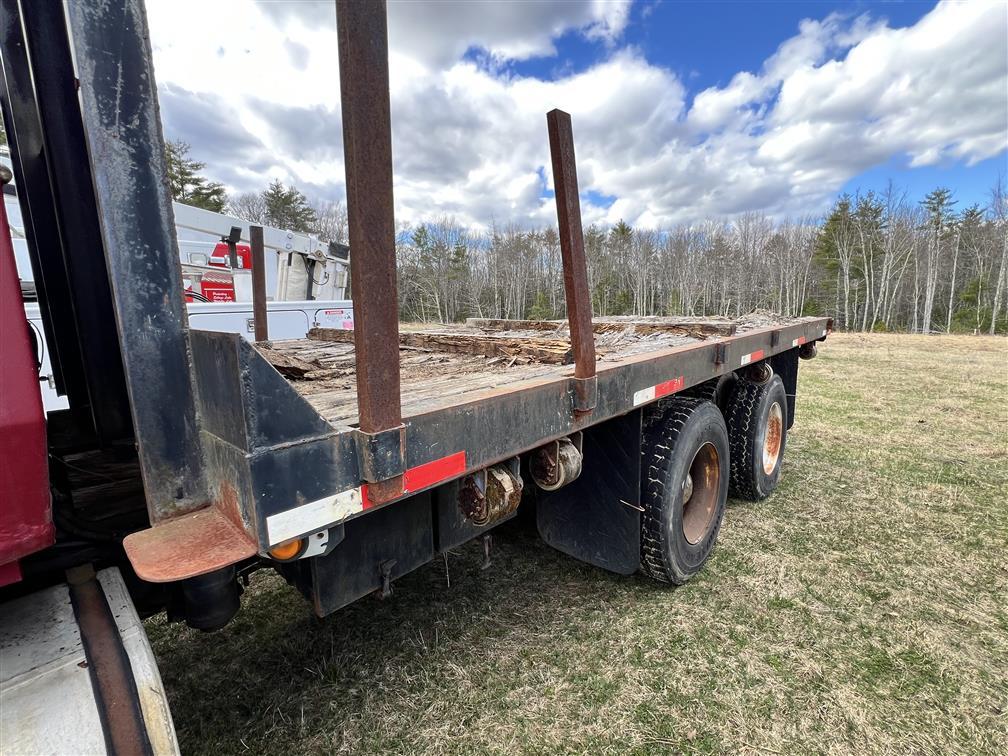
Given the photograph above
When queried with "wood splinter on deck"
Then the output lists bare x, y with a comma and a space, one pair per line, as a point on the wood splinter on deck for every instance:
696, 329
548, 351
289, 365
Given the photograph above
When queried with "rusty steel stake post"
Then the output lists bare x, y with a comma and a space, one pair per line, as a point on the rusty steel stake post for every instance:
367, 149
367, 145
579, 313
259, 311
576, 291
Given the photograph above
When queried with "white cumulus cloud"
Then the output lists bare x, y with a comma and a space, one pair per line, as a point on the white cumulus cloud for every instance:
254, 88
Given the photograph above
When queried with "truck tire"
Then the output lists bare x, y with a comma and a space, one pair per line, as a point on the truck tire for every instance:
684, 486
717, 390
757, 434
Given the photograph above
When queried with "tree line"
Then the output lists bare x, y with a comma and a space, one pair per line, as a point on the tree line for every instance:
877, 261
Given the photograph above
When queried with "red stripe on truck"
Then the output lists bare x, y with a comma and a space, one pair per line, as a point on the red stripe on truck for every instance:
669, 387
425, 475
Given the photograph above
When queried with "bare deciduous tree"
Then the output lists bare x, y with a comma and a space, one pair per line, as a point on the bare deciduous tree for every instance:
875, 261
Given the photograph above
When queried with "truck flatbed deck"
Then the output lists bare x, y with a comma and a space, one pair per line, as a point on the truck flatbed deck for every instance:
280, 422
444, 366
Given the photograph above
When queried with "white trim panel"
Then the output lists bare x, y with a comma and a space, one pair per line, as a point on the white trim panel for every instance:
313, 516
644, 395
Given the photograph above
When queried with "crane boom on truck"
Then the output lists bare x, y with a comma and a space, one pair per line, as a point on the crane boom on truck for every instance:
300, 266
188, 459
306, 279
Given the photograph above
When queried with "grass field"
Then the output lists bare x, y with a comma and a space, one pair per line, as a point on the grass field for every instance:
861, 608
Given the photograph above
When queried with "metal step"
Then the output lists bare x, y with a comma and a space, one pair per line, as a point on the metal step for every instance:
77, 674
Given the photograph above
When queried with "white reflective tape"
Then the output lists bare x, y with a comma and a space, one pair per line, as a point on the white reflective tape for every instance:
823, 331
644, 395
746, 359
795, 342
313, 516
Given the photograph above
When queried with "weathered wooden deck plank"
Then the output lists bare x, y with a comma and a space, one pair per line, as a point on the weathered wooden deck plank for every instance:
694, 328
548, 351
440, 365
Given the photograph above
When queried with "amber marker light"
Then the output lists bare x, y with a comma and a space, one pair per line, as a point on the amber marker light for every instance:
287, 551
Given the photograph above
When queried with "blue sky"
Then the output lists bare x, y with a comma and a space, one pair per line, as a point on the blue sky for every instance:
707, 43
682, 111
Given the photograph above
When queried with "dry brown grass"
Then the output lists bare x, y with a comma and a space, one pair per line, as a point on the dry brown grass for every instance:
862, 608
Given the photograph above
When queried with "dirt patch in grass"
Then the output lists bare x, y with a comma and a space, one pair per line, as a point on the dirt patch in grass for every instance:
861, 608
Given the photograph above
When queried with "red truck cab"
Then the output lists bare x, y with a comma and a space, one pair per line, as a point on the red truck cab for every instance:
25, 506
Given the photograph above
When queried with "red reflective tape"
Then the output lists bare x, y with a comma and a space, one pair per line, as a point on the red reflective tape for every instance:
429, 473
801, 340
756, 356
669, 387
425, 475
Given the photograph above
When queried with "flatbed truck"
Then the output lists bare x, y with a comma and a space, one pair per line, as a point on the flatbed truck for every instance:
188, 459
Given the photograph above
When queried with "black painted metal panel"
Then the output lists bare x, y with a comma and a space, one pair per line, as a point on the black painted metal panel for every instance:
244, 400
77, 214
276, 413
123, 130
220, 390
397, 537
288, 476
452, 528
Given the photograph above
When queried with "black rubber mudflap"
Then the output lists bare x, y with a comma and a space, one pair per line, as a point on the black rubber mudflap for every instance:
596, 519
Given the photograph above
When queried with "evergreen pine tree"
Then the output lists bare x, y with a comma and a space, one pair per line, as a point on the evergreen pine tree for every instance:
287, 208
186, 183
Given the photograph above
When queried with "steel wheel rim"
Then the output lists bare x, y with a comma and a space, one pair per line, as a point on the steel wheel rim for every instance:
700, 493
772, 438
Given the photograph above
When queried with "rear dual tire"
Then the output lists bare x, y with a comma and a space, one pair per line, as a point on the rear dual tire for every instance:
693, 455
684, 486
756, 417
